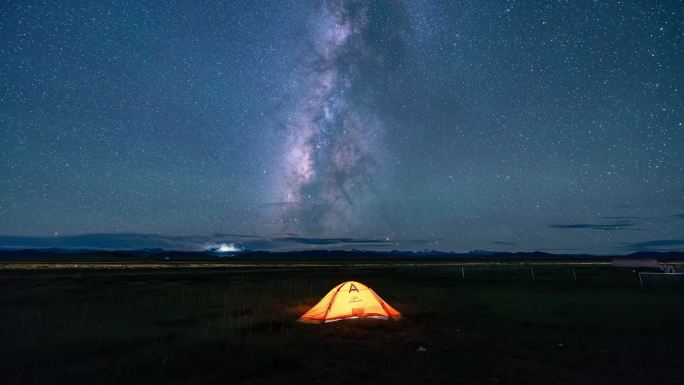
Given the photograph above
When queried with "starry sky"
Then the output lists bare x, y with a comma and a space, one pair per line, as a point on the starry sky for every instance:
449, 125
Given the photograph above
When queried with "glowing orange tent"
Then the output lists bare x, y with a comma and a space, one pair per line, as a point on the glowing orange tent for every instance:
350, 300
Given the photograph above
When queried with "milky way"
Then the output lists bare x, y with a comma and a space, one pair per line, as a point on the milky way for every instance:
329, 156
445, 124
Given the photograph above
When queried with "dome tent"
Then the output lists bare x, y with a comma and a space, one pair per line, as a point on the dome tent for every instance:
350, 300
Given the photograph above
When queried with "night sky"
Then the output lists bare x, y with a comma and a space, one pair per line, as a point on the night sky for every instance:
449, 125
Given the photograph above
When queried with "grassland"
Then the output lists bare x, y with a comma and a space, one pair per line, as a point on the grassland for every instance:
238, 325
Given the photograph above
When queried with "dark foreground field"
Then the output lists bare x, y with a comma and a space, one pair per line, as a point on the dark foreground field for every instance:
238, 325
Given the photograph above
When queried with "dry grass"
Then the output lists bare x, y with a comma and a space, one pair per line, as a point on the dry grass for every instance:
239, 326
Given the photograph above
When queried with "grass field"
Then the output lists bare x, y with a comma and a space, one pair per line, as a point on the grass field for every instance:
238, 325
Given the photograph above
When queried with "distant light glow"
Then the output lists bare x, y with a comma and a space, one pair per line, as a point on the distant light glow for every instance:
225, 248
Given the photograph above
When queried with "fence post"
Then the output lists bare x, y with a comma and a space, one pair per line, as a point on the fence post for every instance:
574, 275
641, 282
462, 273
532, 271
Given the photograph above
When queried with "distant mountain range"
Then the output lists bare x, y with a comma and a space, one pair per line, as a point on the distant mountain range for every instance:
156, 254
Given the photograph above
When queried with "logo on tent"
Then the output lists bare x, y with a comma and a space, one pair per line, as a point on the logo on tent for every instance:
353, 288
354, 299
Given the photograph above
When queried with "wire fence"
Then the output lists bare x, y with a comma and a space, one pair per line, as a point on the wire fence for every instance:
660, 279
548, 274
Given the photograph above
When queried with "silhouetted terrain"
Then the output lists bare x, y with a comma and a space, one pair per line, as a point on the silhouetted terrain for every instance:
85, 255
473, 323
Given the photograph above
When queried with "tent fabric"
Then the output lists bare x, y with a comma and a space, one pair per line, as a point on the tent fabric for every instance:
350, 300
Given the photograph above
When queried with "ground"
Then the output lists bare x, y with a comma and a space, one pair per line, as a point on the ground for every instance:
238, 325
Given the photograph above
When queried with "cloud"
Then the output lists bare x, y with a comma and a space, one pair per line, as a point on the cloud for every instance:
623, 218
122, 241
656, 245
331, 241
229, 247
300, 243
596, 226
503, 243
127, 241
224, 235
218, 242
556, 249
276, 204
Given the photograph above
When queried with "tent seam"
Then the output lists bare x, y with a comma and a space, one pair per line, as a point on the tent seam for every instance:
332, 300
